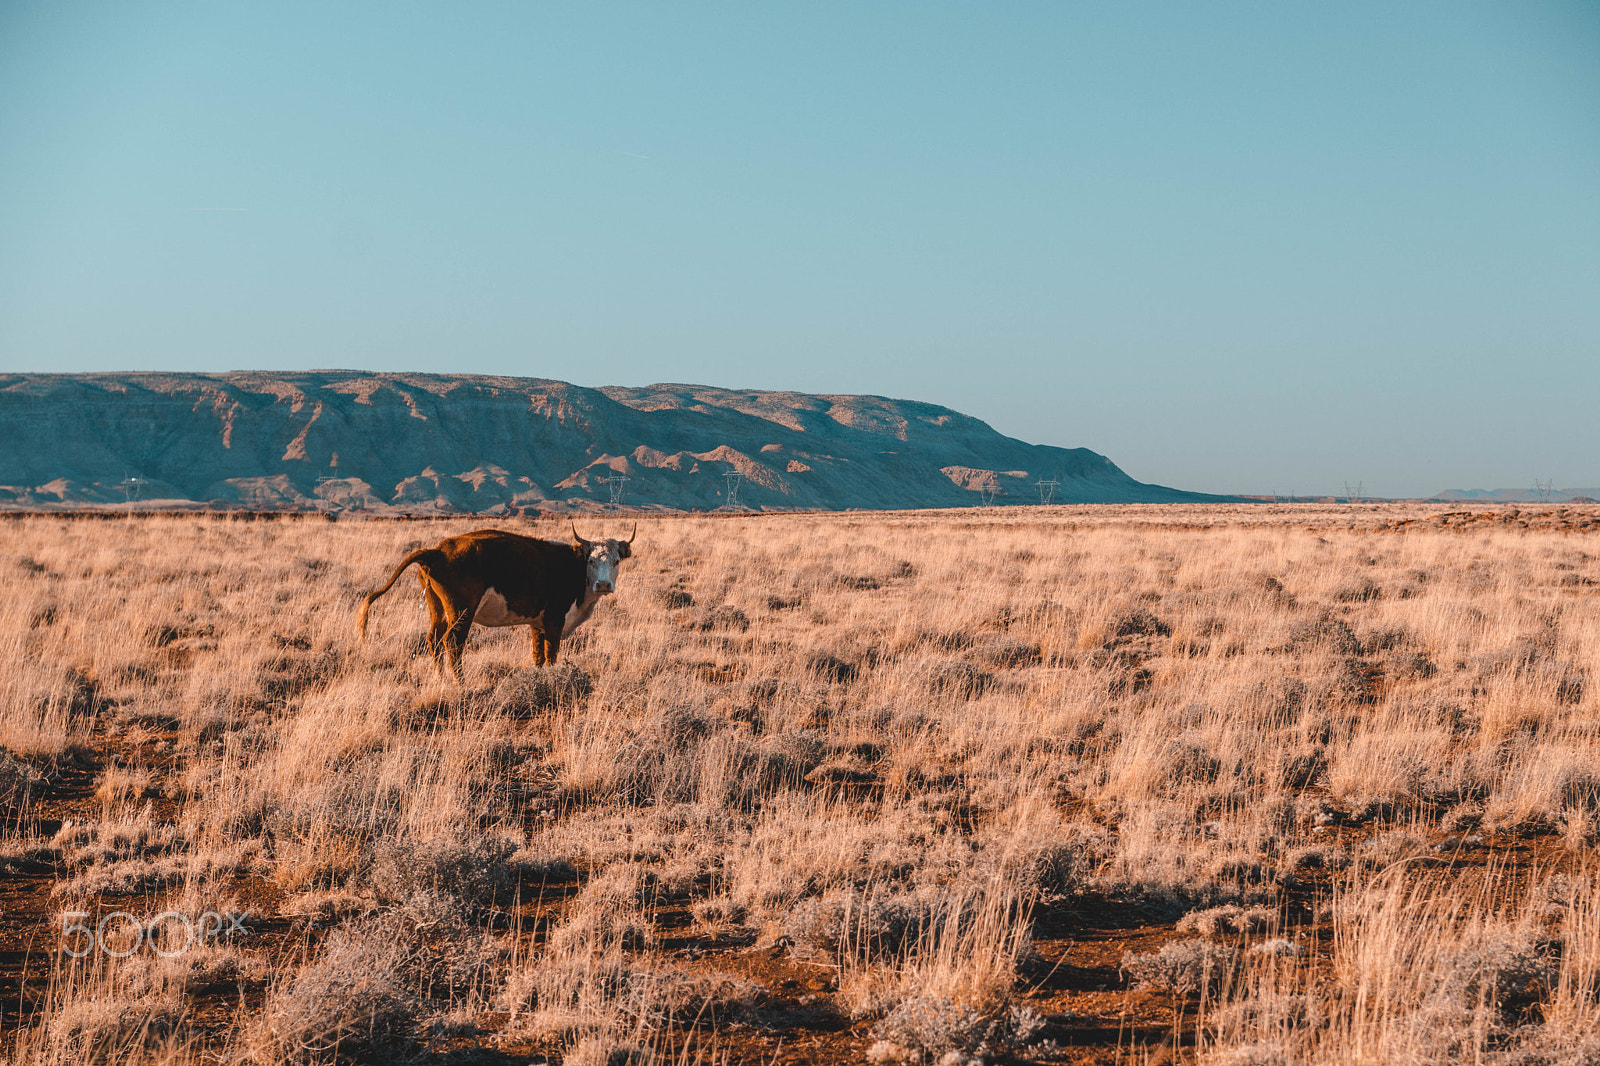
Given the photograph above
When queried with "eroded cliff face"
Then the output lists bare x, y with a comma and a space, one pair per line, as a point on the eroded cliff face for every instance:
429, 443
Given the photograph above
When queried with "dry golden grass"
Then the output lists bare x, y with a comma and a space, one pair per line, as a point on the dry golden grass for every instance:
1293, 784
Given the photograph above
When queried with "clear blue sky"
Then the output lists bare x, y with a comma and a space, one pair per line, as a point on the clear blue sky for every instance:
1235, 247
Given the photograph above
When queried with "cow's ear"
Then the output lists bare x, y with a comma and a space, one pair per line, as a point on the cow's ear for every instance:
623, 551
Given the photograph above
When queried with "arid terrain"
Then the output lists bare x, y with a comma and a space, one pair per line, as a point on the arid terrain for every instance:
1232, 784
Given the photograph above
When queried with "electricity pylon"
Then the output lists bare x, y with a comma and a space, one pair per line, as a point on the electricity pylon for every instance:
732, 501
615, 483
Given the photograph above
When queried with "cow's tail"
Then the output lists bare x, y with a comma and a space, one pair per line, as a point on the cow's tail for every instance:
423, 557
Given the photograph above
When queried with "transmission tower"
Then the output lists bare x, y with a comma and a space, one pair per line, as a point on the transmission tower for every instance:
1542, 488
131, 487
1355, 494
1047, 490
988, 490
321, 481
615, 483
734, 480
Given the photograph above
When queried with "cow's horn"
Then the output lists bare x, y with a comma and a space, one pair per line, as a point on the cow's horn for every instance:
575, 536
635, 533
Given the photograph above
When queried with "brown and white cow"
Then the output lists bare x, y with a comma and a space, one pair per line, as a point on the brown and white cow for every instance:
496, 578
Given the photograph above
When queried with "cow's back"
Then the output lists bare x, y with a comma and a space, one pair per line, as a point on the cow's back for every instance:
536, 573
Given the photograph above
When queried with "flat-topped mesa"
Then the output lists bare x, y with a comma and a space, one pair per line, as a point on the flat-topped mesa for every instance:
440, 443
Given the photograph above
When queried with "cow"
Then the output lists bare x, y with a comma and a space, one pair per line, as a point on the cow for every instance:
495, 578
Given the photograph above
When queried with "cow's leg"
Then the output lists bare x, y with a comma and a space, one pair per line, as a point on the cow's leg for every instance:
438, 625
455, 639
537, 641
552, 636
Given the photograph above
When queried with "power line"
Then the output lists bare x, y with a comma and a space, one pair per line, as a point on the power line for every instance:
1047, 490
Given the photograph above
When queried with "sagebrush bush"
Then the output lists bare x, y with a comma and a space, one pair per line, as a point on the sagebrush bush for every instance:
935, 1024
357, 998
1184, 967
444, 878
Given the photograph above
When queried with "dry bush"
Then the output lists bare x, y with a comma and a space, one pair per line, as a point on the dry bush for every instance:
356, 999
1183, 967
443, 879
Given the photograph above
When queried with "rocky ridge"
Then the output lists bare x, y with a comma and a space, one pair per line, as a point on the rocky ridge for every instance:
442, 443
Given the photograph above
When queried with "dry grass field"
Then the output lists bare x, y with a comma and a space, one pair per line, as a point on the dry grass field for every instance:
1069, 785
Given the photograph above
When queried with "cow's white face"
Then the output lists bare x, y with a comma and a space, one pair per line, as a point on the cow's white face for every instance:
604, 560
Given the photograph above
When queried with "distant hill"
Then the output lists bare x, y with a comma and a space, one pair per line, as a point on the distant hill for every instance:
1516, 495
439, 443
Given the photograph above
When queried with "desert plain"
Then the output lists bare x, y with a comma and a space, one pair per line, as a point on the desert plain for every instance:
1220, 784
